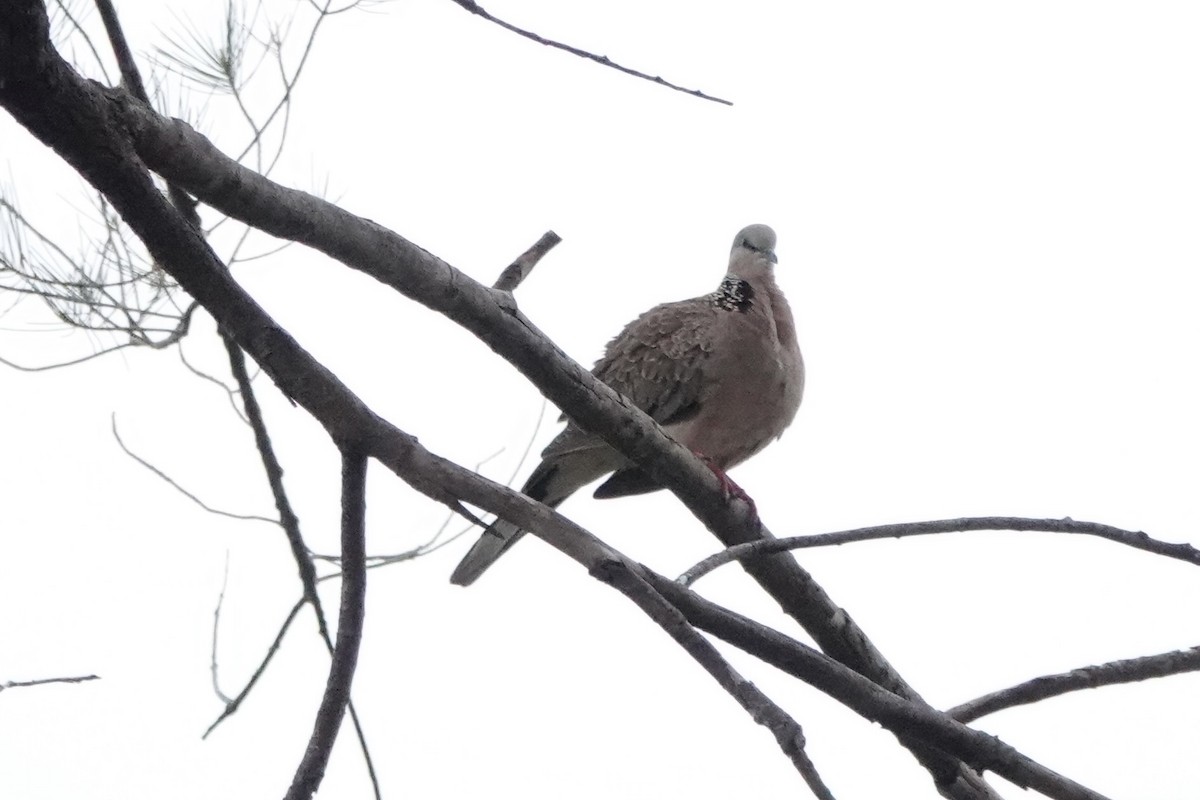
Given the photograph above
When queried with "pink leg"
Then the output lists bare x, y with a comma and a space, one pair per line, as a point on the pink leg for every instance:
728, 485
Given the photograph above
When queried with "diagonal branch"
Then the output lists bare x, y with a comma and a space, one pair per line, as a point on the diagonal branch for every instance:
904, 718
1127, 670
233, 705
516, 272
476, 9
620, 575
131, 77
175, 484
271, 466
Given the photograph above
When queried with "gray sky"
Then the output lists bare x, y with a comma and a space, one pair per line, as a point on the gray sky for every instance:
986, 221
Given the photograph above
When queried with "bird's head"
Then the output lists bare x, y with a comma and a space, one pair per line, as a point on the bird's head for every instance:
753, 252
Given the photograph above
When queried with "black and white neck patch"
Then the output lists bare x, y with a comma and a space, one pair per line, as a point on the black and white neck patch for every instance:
734, 294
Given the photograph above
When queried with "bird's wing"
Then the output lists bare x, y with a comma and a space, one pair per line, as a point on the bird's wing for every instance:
658, 362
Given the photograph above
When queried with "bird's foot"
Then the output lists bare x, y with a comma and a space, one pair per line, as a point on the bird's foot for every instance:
728, 485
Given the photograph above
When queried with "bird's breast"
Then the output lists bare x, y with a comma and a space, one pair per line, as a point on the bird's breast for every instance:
755, 391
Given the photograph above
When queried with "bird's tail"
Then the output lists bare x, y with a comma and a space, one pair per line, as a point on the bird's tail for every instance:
559, 474
498, 537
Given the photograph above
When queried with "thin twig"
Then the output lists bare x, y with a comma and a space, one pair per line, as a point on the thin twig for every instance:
87, 39
230, 394
71, 363
224, 698
236, 702
751, 550
349, 634
175, 485
515, 273
475, 8
1128, 670
44, 681
274, 470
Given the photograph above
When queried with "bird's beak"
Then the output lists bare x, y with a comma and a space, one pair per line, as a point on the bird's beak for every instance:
772, 257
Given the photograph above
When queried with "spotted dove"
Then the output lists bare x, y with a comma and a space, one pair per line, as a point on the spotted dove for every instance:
721, 373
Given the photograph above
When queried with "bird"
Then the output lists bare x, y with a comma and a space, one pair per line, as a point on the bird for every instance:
721, 373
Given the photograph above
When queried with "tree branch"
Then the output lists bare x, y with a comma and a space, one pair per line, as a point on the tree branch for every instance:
620, 575
904, 718
349, 634
44, 681
131, 77
291, 528
751, 550
476, 9
516, 273
175, 484
1128, 670
107, 136
233, 705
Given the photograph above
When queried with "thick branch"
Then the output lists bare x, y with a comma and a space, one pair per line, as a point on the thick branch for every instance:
628, 581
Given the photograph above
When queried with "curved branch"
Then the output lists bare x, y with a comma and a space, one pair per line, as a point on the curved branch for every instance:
71, 363
349, 634
1128, 670
751, 550
175, 485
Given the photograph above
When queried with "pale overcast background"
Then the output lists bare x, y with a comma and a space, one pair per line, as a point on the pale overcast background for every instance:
987, 219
